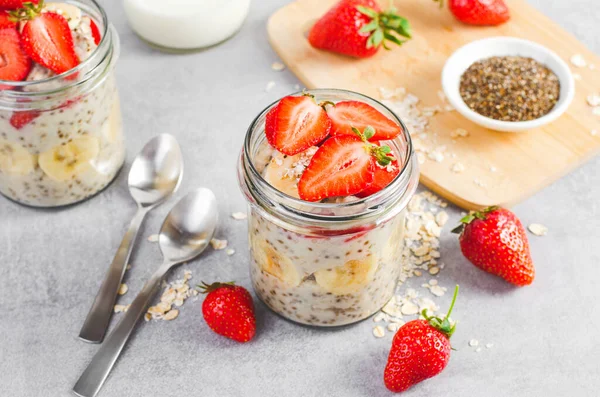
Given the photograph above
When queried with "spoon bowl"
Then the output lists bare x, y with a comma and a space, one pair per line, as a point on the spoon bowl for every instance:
189, 227
156, 171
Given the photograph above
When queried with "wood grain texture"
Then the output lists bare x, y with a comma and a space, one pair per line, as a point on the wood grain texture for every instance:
525, 162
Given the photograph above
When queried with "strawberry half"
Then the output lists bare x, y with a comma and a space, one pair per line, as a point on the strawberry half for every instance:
48, 40
295, 124
95, 32
5, 21
383, 176
348, 114
344, 165
14, 63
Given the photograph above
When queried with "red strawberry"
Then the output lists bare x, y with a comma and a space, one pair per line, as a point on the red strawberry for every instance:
357, 28
420, 350
347, 114
14, 63
229, 311
47, 39
344, 165
95, 32
382, 177
21, 119
494, 240
480, 12
5, 21
14, 4
295, 124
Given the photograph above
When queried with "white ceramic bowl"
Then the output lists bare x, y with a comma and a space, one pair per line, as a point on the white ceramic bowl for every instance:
465, 56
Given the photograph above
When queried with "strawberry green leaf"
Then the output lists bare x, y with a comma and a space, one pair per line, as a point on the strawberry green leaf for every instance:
377, 37
393, 39
367, 11
369, 132
386, 149
369, 27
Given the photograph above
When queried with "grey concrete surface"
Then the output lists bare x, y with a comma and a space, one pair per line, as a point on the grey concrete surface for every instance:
51, 262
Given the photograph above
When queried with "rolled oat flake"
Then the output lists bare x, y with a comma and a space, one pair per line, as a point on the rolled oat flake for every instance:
510, 88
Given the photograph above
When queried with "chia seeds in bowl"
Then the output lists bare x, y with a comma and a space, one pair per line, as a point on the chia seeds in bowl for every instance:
510, 88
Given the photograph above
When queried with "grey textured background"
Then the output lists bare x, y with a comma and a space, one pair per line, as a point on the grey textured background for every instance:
51, 262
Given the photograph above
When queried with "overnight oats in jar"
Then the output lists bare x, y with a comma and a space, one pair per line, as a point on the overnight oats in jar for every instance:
61, 135
328, 175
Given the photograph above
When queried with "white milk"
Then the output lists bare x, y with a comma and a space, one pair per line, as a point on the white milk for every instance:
186, 24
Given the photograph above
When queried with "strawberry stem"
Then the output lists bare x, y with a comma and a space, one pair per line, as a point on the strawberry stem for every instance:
471, 216
381, 153
27, 12
206, 288
386, 25
443, 324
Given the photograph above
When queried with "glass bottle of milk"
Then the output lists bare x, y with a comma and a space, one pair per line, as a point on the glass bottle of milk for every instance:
186, 25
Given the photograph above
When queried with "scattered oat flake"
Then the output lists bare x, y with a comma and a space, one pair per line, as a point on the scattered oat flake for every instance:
578, 60
593, 99
123, 289
459, 133
489, 345
218, 244
393, 327
458, 168
479, 182
277, 66
238, 216
230, 251
379, 317
576, 76
473, 342
378, 331
409, 309
121, 308
434, 270
437, 290
171, 315
538, 229
270, 85
478, 350
153, 238
596, 111
441, 218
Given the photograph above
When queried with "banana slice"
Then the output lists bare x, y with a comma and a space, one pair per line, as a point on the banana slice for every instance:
15, 159
64, 161
274, 263
349, 278
70, 12
284, 171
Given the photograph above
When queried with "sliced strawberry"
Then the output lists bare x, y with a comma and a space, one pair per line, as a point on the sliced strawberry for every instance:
14, 4
48, 40
95, 32
383, 176
21, 119
347, 114
296, 124
342, 166
5, 21
14, 63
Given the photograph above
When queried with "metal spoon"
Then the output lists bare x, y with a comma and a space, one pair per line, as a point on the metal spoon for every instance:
186, 232
154, 176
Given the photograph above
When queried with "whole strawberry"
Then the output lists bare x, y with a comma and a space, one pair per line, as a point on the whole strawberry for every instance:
358, 28
420, 350
480, 12
229, 311
495, 240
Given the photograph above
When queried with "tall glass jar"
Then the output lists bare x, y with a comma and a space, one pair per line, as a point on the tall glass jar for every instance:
325, 264
61, 136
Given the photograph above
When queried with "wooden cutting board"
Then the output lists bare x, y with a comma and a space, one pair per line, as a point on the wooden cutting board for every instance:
524, 163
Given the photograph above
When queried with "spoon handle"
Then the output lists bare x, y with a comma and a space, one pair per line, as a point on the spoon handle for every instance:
91, 380
96, 323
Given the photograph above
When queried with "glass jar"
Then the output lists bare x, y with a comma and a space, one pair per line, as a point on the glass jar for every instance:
61, 137
325, 264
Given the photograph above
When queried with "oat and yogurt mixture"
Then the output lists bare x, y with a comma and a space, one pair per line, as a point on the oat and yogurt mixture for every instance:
62, 155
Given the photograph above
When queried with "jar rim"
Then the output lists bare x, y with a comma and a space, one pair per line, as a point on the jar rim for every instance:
371, 205
82, 65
